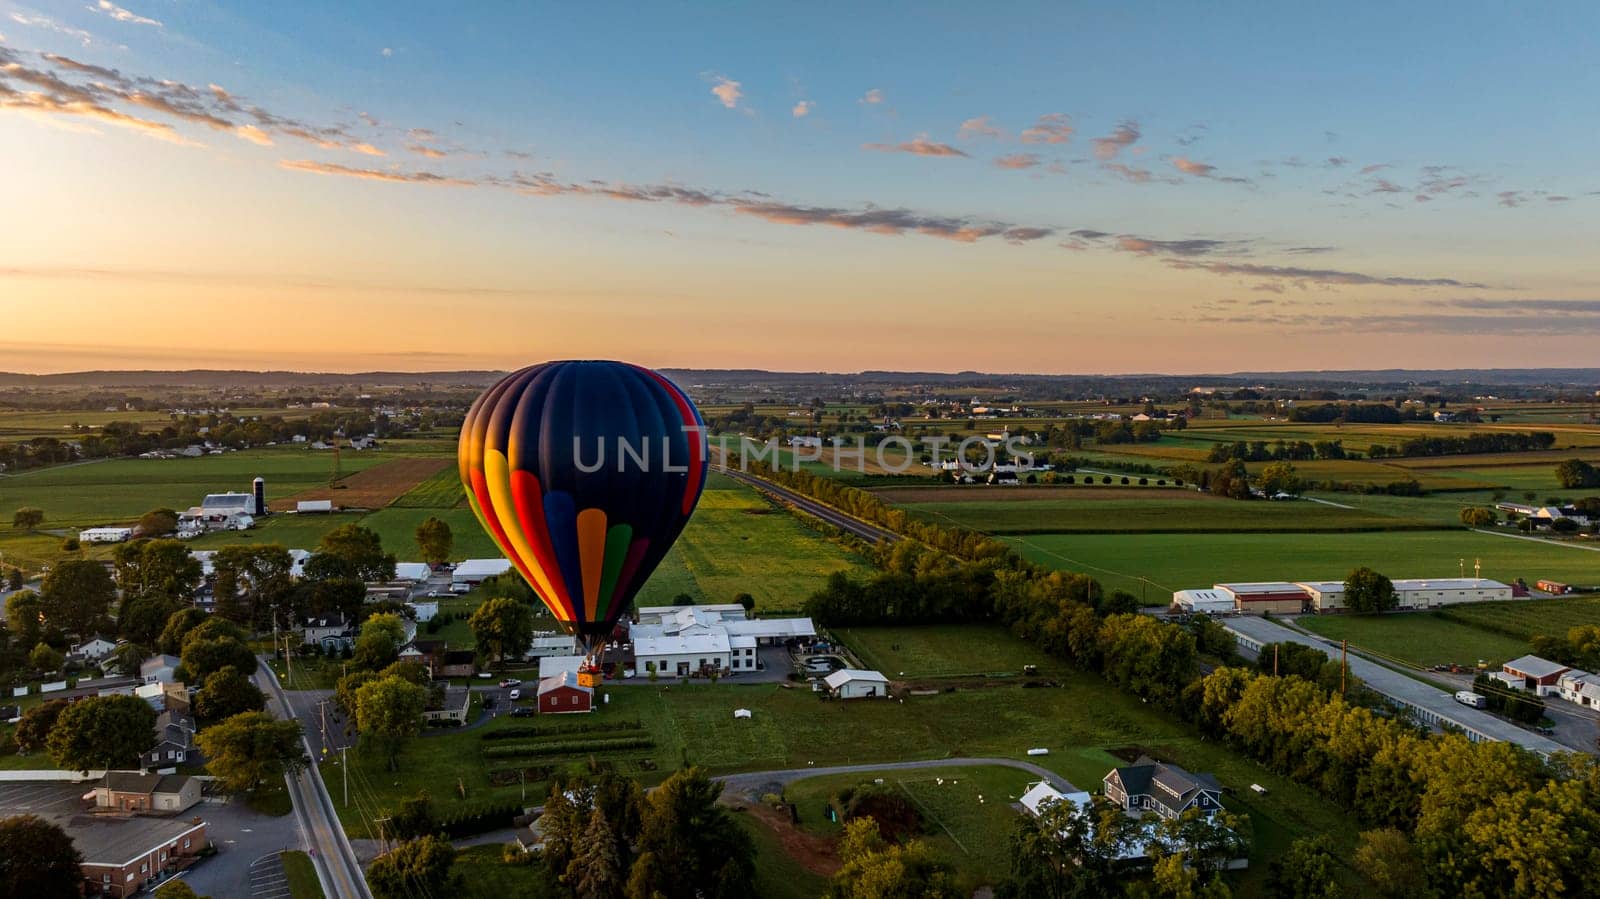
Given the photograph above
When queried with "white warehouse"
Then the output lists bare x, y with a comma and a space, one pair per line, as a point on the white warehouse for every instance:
1415, 593
1211, 602
105, 535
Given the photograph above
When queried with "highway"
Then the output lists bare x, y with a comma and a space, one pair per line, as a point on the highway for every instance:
867, 532
334, 859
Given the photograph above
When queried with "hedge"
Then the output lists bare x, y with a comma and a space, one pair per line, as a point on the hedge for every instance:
568, 747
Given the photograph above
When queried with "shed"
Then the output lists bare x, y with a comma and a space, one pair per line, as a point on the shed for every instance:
857, 683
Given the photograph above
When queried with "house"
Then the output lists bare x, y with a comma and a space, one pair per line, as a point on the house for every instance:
1530, 672
105, 535
424, 609
1210, 602
1276, 597
158, 669
805, 442
562, 694
136, 791
548, 644
856, 683
449, 704
476, 571
328, 632
1167, 790
1580, 687
455, 663
412, 572
94, 649
174, 741
682, 654
123, 856
1041, 796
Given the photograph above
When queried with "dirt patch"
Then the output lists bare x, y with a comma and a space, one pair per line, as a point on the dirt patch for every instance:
814, 853
978, 493
371, 488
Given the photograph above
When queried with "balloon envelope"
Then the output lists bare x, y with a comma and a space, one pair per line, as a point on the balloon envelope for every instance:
584, 473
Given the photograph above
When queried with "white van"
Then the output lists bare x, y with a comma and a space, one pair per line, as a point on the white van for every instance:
1467, 697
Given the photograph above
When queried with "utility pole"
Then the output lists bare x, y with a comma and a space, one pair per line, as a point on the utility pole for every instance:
344, 764
1274, 660
1344, 663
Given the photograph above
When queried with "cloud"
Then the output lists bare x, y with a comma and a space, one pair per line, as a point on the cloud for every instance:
889, 221
980, 127
1319, 276
803, 109
1017, 161
1145, 246
390, 175
1193, 134
1460, 317
1190, 167
1511, 198
123, 15
1557, 198
1052, 128
917, 146
1385, 186
1129, 173
425, 150
386, 52
254, 135
1337, 162
1124, 135
727, 91
49, 24
872, 97
1377, 167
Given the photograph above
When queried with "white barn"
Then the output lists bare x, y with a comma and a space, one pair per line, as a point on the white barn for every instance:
476, 571
105, 535
857, 683
1211, 602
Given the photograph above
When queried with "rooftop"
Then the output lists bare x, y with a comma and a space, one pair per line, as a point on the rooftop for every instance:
1263, 587
1449, 583
846, 675
1533, 666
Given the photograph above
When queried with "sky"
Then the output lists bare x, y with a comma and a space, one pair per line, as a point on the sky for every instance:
1053, 188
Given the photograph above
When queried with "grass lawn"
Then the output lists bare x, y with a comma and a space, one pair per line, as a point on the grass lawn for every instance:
291, 531
272, 798
944, 650
778, 874
398, 529
484, 876
1418, 638
966, 812
1149, 512
301, 874
1179, 561
1526, 618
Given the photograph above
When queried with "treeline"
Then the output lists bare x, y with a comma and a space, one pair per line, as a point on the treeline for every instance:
1258, 451
1457, 799
1497, 442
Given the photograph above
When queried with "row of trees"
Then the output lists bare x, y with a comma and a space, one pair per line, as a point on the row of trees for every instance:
1258, 451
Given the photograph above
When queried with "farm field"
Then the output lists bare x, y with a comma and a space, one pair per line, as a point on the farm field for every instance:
1525, 619
441, 491
944, 650
374, 486
1180, 561
1078, 722
1420, 639
1161, 512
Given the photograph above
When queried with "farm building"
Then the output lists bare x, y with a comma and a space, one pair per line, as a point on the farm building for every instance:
1326, 596
551, 645
553, 666
1277, 597
1555, 588
1431, 593
412, 572
1580, 687
681, 654
476, 571
105, 535
1530, 672
425, 609
561, 694
855, 683
708, 637
1210, 602
313, 505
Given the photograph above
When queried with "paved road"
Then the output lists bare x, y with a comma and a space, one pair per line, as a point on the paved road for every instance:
1429, 703
757, 783
336, 864
1569, 545
867, 532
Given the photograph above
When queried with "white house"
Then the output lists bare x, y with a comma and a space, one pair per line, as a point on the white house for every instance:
721, 634
105, 535
1041, 794
1580, 687
158, 669
475, 571
414, 572
856, 683
681, 655
425, 609
94, 649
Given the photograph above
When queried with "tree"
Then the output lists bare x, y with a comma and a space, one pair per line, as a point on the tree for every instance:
746, 600
25, 617
1305, 871
178, 889
102, 732
1280, 477
1478, 517
227, 693
1366, 592
36, 724
38, 860
157, 523
414, 818
351, 551
596, 871
141, 619
691, 838
1386, 859
500, 623
434, 540
1571, 474
874, 869
204, 654
1046, 852
156, 568
27, 518
1232, 480
14, 579
247, 749
126, 659
45, 657
76, 595
178, 626
389, 710
380, 640
419, 867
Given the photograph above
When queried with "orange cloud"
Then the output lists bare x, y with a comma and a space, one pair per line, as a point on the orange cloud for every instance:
1052, 128
917, 146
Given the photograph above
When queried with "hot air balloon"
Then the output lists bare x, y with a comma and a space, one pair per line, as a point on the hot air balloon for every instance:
584, 473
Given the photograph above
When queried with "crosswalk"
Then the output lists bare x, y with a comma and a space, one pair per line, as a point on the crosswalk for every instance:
267, 880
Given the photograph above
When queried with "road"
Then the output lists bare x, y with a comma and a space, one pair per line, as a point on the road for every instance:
335, 861
867, 532
1568, 545
1429, 704
757, 783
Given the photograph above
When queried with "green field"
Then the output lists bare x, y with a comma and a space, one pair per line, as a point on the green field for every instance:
944, 650
778, 874
1552, 617
442, 491
301, 875
1160, 513
1420, 639
1180, 561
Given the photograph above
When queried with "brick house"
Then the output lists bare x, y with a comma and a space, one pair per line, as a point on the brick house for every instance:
123, 856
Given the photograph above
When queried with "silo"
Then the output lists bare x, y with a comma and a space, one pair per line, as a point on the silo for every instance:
260, 490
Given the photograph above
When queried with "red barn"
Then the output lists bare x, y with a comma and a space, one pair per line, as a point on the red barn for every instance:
561, 694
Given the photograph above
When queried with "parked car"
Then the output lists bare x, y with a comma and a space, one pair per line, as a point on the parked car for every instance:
516, 695
510, 682
522, 711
